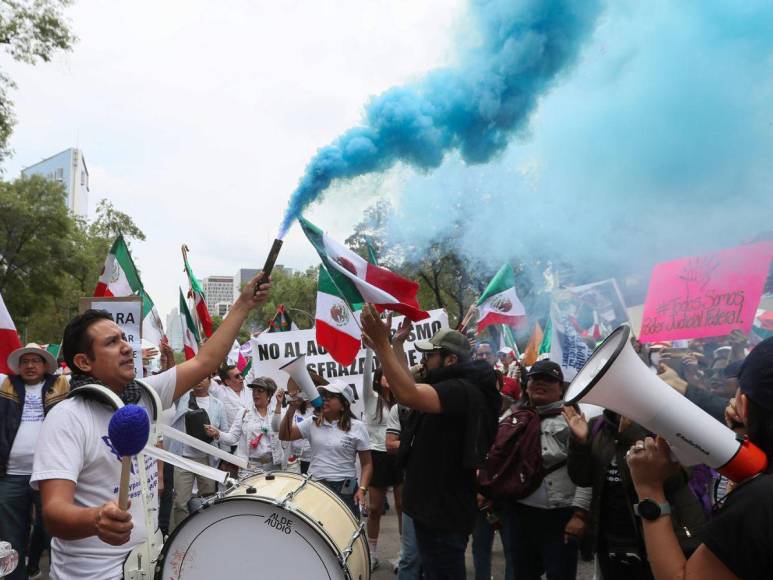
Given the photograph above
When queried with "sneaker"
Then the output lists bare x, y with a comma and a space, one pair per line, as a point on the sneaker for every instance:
33, 573
374, 563
395, 562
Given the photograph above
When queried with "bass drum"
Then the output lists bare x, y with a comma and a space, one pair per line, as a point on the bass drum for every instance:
277, 525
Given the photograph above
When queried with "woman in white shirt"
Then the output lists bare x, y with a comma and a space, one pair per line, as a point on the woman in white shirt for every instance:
251, 431
336, 439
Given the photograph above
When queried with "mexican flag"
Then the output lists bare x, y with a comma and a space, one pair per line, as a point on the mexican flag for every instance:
190, 332
499, 303
337, 330
119, 277
196, 293
281, 321
9, 339
359, 281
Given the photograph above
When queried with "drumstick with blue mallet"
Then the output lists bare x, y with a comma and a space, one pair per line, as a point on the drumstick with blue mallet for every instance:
129, 430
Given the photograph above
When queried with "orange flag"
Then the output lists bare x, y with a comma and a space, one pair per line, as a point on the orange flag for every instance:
531, 353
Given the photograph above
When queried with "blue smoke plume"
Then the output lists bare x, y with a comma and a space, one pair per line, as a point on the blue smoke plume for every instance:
474, 108
657, 146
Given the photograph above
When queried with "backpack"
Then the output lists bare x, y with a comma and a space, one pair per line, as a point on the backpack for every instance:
195, 419
513, 468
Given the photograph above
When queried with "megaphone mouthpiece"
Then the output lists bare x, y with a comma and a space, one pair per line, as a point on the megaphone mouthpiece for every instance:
297, 371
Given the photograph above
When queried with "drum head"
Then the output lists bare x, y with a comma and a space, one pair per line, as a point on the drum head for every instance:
244, 537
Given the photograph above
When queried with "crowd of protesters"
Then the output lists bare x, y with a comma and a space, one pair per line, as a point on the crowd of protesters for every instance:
425, 435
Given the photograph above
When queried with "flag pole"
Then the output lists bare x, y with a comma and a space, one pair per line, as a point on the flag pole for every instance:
467, 317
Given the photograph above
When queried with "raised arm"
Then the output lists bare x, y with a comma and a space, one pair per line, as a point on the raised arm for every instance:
417, 396
288, 430
215, 349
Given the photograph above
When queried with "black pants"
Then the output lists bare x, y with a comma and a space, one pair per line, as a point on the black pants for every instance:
537, 543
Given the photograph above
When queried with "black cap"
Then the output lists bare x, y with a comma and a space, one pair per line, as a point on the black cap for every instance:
756, 375
546, 368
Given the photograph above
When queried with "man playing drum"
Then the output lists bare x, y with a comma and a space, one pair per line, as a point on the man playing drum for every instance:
76, 466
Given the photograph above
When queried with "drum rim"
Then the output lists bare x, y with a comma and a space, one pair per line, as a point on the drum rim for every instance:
337, 553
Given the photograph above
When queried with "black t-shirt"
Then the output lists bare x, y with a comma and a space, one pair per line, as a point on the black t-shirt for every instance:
741, 534
439, 492
616, 523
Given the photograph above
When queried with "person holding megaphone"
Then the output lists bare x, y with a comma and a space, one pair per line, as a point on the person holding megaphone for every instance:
738, 542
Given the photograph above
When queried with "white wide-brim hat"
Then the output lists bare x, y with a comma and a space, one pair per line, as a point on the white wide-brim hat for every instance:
32, 348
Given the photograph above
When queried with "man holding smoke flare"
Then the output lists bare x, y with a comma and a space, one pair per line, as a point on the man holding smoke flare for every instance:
76, 465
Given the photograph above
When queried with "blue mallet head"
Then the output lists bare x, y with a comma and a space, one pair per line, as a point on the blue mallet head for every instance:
129, 430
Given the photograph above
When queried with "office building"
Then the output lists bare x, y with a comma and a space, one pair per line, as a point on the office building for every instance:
69, 169
218, 289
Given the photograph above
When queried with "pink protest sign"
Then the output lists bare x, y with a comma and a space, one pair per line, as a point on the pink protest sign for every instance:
709, 295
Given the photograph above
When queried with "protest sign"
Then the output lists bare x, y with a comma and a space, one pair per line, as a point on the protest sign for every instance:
273, 350
709, 295
580, 317
127, 313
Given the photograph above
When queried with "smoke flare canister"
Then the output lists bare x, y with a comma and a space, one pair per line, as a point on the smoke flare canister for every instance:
269, 265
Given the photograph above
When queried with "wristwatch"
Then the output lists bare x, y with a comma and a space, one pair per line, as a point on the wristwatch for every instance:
364, 489
651, 510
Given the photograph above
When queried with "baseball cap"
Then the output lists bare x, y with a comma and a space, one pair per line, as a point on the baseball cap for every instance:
264, 383
451, 340
756, 375
546, 368
340, 389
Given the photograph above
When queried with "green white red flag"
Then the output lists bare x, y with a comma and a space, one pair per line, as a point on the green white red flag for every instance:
190, 331
119, 278
499, 303
196, 293
358, 281
9, 338
337, 329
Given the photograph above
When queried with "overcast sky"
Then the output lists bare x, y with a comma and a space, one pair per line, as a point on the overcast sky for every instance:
198, 118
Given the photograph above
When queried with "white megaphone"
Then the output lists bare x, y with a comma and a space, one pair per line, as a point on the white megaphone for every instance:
614, 377
297, 371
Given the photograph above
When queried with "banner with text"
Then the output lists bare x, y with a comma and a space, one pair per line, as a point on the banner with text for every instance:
273, 350
709, 295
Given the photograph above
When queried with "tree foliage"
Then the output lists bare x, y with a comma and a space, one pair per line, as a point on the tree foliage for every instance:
297, 291
49, 258
31, 31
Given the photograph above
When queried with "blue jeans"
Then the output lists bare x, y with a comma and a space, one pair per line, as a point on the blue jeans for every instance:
442, 553
537, 543
410, 561
483, 542
16, 501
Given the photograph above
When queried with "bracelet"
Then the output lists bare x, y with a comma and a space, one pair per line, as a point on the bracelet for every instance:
364, 489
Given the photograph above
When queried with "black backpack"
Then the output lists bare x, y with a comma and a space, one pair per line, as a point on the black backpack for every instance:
195, 419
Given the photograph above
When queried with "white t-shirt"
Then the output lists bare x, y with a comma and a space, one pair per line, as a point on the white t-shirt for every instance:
23, 448
393, 421
74, 445
333, 452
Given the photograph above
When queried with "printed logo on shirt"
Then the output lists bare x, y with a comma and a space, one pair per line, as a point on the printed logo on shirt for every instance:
613, 472
114, 451
347, 442
33, 408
